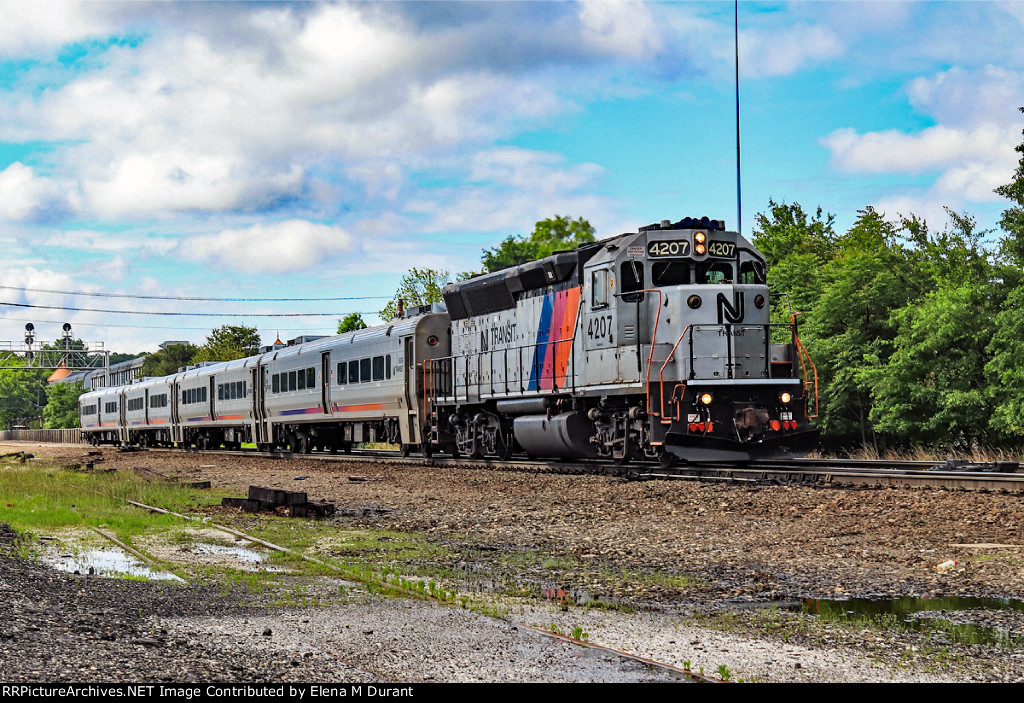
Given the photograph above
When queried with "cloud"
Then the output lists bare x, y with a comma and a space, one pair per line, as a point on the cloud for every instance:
182, 123
934, 148
282, 247
971, 150
46, 25
624, 29
21, 192
784, 51
989, 94
508, 189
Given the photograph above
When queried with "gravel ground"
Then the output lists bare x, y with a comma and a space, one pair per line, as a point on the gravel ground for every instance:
725, 545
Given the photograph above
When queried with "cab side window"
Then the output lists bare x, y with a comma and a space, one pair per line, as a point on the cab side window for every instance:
631, 278
599, 288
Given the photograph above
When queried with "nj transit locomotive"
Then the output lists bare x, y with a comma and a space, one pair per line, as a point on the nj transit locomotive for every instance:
654, 344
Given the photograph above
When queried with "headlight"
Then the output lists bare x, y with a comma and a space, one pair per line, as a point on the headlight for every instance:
706, 398
693, 301
700, 238
785, 398
700, 248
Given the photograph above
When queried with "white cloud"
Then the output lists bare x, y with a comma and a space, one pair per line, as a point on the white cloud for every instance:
282, 247
933, 148
989, 94
47, 24
182, 123
971, 150
783, 51
21, 192
620, 28
508, 189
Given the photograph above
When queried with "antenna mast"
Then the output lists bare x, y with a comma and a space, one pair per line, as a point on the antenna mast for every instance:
736, 40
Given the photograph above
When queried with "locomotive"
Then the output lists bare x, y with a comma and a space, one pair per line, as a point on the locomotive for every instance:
656, 344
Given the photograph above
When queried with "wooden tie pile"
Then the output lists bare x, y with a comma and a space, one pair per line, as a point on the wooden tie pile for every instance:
273, 498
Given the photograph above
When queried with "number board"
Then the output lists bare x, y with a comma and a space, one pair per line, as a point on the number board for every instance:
723, 250
671, 248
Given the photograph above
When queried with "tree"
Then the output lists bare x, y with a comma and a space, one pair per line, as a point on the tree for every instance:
851, 331
21, 394
167, 361
351, 322
1005, 370
553, 234
932, 391
796, 248
418, 287
229, 342
61, 409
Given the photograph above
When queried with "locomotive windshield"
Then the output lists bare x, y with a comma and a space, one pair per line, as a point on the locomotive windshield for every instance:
670, 273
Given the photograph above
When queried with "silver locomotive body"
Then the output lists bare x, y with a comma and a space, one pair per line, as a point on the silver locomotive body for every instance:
656, 343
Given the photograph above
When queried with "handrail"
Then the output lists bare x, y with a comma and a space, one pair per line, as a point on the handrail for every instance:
661, 375
801, 352
492, 353
654, 336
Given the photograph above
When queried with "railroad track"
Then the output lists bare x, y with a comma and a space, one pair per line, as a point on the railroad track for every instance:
955, 474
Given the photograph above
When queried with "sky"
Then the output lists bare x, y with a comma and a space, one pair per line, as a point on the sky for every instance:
156, 151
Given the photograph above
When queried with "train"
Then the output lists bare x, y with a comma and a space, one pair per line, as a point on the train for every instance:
656, 345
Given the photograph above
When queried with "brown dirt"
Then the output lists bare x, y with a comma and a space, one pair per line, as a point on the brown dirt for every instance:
741, 542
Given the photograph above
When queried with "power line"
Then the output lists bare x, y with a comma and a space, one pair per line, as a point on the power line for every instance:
197, 298
183, 314
137, 327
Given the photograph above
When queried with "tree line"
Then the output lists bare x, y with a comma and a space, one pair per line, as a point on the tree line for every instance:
916, 333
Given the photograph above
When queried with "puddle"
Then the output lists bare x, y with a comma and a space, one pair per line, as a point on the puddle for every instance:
239, 553
107, 562
937, 615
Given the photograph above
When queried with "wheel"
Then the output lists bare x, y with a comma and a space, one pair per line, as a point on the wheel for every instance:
505, 450
305, 444
427, 449
404, 449
667, 459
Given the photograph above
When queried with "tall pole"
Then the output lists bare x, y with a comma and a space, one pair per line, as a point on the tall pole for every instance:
736, 41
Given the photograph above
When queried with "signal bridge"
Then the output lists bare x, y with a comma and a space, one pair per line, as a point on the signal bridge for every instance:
64, 353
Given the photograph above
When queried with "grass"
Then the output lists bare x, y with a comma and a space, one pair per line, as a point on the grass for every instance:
44, 499
979, 454
40, 498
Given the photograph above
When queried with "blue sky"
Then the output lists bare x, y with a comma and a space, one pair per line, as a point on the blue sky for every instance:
311, 150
